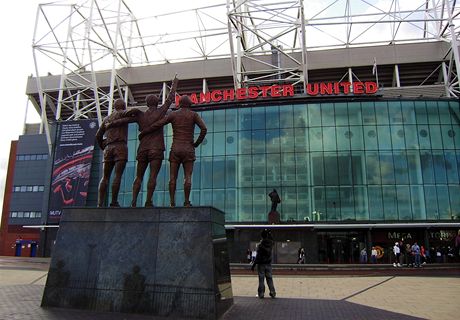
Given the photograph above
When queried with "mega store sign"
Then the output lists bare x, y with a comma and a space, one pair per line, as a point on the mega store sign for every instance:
282, 91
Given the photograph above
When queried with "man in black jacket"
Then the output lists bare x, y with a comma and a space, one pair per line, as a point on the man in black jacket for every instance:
264, 264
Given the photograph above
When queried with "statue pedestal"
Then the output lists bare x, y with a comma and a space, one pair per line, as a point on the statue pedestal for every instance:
160, 261
273, 217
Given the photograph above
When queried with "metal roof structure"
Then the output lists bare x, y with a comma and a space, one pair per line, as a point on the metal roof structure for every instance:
90, 52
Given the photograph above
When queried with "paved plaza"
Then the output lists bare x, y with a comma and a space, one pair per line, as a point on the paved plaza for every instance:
326, 296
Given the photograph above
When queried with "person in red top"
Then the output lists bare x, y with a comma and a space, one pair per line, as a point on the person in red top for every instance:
422, 254
183, 123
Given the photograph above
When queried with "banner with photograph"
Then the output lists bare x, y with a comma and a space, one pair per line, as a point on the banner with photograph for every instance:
72, 165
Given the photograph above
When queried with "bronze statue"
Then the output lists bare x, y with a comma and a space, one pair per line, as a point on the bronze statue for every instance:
152, 146
273, 215
183, 147
115, 150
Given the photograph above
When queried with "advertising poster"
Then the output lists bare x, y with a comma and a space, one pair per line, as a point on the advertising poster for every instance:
71, 166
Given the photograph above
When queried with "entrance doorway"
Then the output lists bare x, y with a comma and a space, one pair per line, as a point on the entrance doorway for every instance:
340, 247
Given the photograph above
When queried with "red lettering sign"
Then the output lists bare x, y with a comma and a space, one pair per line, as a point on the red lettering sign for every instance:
285, 90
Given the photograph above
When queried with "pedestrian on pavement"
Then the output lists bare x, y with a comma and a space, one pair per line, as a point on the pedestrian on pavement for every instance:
249, 255
422, 255
438, 255
301, 256
402, 253
408, 255
428, 255
374, 255
363, 256
397, 253
253, 255
415, 250
264, 264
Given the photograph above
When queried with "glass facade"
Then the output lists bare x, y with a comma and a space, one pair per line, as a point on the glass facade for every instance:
342, 161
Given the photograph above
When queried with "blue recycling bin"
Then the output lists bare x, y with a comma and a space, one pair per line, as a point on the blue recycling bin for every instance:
18, 248
33, 249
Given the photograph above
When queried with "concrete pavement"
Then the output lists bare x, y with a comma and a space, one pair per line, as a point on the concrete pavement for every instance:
327, 296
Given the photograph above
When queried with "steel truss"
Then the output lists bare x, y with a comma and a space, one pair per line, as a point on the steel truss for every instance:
288, 30
88, 44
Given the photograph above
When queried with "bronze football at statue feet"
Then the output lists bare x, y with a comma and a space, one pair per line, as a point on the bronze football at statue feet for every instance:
182, 151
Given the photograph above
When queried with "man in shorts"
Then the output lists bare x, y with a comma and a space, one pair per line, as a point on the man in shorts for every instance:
115, 150
183, 123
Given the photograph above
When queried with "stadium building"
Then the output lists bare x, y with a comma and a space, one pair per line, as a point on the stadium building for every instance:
349, 110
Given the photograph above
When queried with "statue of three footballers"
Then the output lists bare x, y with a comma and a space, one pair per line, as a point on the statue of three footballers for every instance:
151, 146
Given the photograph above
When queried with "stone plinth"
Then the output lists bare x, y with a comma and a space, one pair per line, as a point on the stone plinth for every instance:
160, 261
273, 217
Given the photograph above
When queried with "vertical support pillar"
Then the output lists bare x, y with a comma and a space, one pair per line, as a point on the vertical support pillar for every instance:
232, 49
205, 86
396, 78
126, 95
238, 57
369, 241
445, 79
44, 120
304, 48
350, 78
93, 74
114, 57
164, 93
63, 73
426, 239
453, 41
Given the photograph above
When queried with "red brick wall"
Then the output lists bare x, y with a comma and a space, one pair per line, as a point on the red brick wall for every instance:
18, 232
4, 235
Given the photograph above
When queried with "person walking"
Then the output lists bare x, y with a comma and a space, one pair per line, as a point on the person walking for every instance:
423, 254
249, 255
397, 253
363, 256
264, 264
301, 256
408, 255
415, 249
374, 255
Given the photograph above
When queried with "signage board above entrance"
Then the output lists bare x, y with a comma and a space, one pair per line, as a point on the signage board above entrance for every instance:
284, 90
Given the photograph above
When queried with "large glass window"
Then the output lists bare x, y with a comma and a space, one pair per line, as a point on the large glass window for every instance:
286, 117
375, 203
341, 114
329, 161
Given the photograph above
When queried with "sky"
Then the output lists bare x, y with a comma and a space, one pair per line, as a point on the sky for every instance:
17, 19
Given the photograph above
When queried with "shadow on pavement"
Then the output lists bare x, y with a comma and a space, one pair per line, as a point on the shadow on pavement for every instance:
281, 308
23, 302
